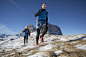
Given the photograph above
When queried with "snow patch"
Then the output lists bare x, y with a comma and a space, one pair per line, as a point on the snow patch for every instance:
37, 55
74, 42
70, 38
20, 50
8, 54
84, 38
81, 47
47, 47
40, 54
58, 52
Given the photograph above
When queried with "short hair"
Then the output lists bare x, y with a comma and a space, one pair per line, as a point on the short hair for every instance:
44, 3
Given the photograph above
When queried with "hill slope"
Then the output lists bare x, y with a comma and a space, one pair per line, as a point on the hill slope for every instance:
53, 46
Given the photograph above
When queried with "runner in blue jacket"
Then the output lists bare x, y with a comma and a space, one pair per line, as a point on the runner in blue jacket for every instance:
27, 32
42, 22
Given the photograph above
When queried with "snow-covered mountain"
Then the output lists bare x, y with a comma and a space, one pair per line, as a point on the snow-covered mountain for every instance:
53, 46
2, 35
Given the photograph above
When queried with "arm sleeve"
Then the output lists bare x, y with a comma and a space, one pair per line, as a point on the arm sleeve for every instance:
23, 31
37, 13
47, 19
29, 33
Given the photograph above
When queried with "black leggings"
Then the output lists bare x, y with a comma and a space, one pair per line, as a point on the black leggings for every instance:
44, 28
25, 39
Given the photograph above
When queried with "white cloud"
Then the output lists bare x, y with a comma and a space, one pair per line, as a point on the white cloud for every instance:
19, 7
5, 30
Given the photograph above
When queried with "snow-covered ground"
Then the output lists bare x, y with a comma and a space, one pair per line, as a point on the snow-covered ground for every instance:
81, 46
17, 43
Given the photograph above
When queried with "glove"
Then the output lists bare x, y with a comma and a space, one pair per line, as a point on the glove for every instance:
29, 34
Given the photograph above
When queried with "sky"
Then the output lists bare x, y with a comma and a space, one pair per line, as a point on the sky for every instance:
69, 15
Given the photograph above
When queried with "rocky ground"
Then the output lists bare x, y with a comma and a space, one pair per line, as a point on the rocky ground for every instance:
53, 46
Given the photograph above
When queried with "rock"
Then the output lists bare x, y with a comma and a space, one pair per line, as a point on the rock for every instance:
54, 30
31, 28
2, 35
20, 34
11, 39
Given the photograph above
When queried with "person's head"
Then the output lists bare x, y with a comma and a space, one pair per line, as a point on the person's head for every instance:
44, 5
26, 27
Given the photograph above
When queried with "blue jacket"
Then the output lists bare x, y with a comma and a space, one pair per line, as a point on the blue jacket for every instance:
42, 16
27, 31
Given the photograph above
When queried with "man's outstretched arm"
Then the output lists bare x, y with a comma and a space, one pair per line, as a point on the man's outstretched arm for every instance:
36, 14
39, 12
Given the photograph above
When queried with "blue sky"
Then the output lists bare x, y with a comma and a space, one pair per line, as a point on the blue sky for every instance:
69, 15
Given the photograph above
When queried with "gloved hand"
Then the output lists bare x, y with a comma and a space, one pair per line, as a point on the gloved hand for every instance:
29, 34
